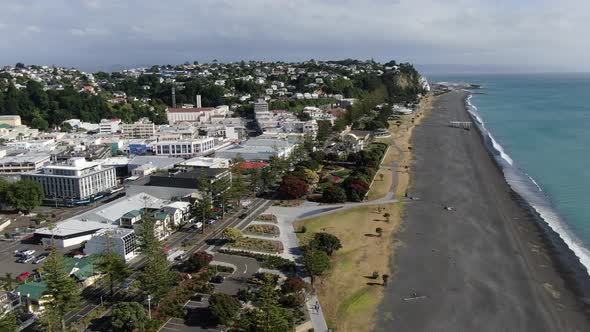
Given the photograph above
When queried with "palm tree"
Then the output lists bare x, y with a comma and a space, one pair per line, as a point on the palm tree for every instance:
385, 278
379, 231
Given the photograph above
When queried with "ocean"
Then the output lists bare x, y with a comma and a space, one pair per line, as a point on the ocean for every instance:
538, 127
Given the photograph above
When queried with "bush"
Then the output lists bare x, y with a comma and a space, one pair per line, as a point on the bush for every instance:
263, 229
257, 245
292, 187
293, 285
222, 268
334, 194
199, 261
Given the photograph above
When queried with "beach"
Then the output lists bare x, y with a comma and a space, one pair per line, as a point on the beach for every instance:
484, 264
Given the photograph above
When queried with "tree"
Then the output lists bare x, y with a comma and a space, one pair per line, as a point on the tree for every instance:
65, 127
255, 180
379, 231
225, 307
25, 195
40, 123
334, 194
113, 266
293, 285
293, 187
316, 262
326, 242
20, 65
61, 287
156, 277
238, 188
385, 278
128, 316
202, 210
8, 323
381, 176
232, 234
199, 261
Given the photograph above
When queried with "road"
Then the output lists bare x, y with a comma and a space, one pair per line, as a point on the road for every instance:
93, 300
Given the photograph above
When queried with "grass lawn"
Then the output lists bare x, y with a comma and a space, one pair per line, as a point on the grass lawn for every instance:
380, 187
347, 301
248, 243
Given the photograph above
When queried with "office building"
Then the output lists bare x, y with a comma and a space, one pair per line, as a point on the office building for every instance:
76, 180
186, 148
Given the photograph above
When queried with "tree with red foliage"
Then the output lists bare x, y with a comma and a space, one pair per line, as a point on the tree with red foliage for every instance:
199, 261
293, 285
356, 189
293, 187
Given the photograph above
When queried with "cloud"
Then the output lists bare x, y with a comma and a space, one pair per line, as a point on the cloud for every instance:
500, 32
83, 32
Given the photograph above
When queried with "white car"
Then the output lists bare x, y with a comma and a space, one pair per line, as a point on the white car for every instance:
28, 259
29, 252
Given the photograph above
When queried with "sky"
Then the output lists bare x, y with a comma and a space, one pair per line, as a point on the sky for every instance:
535, 35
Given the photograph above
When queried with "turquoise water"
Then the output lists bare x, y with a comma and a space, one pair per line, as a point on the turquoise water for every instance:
542, 121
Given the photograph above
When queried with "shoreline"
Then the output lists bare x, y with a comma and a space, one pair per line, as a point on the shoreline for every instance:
567, 263
488, 265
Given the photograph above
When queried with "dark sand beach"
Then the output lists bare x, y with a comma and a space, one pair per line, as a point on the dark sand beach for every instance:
481, 267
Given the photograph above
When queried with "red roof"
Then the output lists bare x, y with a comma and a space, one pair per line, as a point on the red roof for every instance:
190, 110
252, 164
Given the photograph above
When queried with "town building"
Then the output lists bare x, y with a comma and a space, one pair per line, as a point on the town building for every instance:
76, 181
75, 230
23, 163
33, 145
11, 120
109, 126
121, 241
186, 148
143, 128
258, 149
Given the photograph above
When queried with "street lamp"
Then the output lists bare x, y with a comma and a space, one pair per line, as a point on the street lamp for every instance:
149, 306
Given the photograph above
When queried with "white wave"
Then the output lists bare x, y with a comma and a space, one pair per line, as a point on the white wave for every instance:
535, 182
530, 191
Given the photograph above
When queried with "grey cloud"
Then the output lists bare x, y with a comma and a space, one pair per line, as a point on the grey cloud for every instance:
92, 33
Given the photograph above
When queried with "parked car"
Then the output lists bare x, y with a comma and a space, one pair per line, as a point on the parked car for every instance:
180, 257
218, 279
40, 259
29, 252
28, 259
23, 276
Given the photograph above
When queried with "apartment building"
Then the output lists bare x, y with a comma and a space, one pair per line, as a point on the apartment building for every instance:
143, 128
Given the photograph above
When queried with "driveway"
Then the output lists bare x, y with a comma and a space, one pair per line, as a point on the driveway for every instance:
244, 268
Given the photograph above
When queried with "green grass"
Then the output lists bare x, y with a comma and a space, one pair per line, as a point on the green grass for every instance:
359, 301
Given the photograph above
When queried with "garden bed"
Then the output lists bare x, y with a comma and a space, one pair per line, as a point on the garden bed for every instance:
267, 217
261, 229
248, 243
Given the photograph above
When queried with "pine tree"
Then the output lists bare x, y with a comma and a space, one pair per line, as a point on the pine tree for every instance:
156, 278
113, 266
61, 287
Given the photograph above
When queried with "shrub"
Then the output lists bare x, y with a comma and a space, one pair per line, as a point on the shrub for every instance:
292, 187
263, 229
334, 194
199, 260
293, 285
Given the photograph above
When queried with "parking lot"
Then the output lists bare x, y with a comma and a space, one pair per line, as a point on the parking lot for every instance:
199, 318
8, 259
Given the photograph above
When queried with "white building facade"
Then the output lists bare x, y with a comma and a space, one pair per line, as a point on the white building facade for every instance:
186, 148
